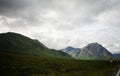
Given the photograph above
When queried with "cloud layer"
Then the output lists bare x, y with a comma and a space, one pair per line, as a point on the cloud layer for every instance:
61, 23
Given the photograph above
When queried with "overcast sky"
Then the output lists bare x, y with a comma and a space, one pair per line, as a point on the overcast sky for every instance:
62, 23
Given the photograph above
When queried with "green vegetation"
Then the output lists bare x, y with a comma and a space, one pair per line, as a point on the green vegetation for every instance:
22, 56
27, 65
17, 43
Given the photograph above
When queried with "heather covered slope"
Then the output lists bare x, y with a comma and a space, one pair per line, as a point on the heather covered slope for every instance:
27, 65
17, 43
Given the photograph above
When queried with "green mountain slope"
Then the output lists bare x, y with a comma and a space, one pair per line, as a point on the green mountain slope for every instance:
17, 43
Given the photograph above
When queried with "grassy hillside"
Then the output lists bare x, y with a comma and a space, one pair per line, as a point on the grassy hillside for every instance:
27, 65
17, 43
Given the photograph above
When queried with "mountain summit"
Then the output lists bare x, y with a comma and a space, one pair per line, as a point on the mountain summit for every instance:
93, 51
12, 40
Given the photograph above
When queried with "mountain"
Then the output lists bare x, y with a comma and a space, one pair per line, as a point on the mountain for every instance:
93, 51
74, 52
16, 43
117, 55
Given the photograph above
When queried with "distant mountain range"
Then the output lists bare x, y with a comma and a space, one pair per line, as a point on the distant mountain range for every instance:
16, 43
74, 52
117, 55
93, 51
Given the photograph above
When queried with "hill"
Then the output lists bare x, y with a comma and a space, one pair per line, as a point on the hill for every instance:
17, 43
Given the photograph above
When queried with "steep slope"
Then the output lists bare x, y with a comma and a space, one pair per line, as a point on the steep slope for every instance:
17, 43
74, 52
95, 51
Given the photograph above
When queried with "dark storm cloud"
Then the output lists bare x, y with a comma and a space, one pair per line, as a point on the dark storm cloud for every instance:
18, 7
27, 11
11, 8
81, 12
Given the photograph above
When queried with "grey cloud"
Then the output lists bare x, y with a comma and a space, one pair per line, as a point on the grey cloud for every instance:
18, 7
11, 8
81, 12
69, 22
115, 47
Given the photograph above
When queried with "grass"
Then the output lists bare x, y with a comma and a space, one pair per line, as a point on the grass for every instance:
17, 43
27, 65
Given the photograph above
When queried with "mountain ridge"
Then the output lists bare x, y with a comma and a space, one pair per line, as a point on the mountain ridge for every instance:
74, 52
91, 51
17, 43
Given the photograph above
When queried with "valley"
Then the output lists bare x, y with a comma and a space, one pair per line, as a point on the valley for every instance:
23, 56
